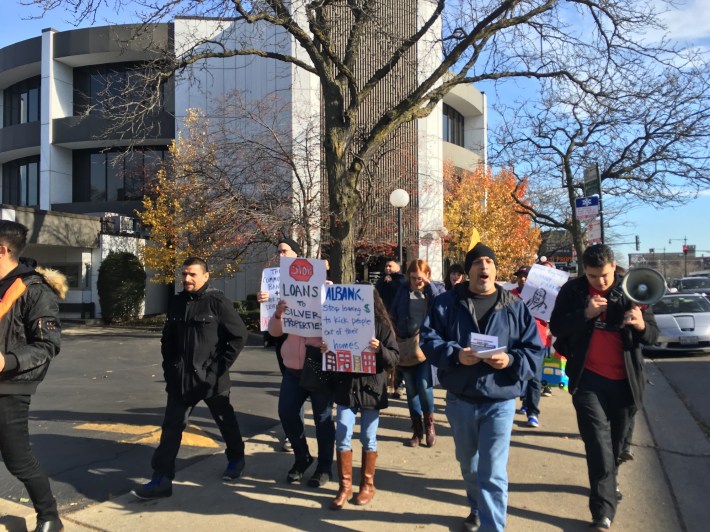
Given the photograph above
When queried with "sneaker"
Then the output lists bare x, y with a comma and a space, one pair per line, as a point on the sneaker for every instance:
295, 474
603, 523
522, 410
546, 392
619, 495
533, 422
471, 524
320, 478
158, 488
234, 469
286, 446
399, 392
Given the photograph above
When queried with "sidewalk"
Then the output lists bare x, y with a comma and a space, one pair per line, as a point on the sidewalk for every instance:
417, 489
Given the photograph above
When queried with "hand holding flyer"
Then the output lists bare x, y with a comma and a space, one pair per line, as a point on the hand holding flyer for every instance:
485, 346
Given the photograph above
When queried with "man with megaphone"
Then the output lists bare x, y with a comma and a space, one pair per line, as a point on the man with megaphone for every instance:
599, 325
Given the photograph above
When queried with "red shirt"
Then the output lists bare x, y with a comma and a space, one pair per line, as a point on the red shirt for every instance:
606, 349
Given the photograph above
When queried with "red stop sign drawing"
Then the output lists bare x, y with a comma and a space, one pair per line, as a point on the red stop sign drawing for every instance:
301, 270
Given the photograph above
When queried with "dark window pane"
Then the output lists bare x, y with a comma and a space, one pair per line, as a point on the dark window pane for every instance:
33, 185
114, 177
98, 177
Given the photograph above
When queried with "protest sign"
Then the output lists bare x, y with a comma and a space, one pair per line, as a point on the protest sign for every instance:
302, 283
541, 289
348, 327
269, 283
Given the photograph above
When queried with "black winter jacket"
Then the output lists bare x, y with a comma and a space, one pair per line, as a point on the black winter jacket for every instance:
29, 327
202, 337
574, 332
366, 390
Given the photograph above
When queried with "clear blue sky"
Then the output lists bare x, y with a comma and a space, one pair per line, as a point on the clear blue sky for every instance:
654, 227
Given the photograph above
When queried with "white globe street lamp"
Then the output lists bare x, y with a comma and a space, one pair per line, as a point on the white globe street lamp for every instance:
399, 198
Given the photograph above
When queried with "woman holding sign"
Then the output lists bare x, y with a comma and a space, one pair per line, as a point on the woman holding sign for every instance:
367, 393
408, 310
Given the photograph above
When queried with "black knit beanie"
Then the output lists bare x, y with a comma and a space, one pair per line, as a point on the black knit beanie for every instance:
478, 251
292, 243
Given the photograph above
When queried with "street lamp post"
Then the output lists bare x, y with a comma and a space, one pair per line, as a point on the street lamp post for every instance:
399, 198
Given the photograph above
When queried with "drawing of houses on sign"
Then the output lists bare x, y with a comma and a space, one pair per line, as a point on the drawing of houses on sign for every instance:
369, 362
330, 362
345, 361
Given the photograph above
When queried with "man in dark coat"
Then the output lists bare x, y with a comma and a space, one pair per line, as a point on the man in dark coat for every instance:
600, 331
29, 340
202, 337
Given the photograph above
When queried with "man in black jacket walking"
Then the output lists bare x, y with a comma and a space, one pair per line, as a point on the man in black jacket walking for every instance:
29, 340
202, 337
600, 331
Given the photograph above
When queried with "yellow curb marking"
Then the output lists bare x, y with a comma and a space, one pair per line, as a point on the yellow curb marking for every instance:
150, 434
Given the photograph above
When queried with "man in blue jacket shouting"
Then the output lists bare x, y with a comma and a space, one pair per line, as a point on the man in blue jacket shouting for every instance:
482, 389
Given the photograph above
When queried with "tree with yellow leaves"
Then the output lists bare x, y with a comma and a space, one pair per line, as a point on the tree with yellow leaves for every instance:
482, 201
198, 205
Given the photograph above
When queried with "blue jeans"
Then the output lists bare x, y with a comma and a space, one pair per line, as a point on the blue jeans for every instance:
291, 399
482, 439
369, 421
420, 391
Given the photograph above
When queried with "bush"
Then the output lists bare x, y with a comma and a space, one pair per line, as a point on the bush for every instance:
249, 312
121, 287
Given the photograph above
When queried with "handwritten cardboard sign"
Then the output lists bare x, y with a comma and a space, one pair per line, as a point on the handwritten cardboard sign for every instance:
541, 289
302, 283
348, 327
270, 282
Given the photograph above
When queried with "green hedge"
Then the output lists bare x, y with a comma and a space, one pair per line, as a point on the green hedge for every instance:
249, 312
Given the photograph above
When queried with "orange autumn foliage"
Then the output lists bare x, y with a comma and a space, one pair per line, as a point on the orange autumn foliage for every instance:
481, 200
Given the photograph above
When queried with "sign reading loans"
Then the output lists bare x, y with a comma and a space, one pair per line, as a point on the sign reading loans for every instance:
270, 282
348, 327
302, 283
541, 289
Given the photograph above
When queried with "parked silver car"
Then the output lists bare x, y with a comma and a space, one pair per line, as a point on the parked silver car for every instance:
684, 324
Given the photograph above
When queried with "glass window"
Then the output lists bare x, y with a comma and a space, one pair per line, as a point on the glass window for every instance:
20, 182
114, 175
119, 85
22, 102
453, 126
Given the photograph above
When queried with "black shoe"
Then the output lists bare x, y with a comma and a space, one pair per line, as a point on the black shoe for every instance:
471, 524
619, 495
55, 525
320, 478
296, 472
234, 469
626, 456
158, 488
603, 523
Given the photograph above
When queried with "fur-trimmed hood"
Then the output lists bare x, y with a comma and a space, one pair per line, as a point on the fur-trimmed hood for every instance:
56, 280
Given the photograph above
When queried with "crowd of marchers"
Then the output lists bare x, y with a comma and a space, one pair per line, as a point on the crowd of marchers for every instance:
424, 334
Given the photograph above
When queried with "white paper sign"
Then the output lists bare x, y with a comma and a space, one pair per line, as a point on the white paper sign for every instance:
348, 327
269, 283
541, 289
302, 283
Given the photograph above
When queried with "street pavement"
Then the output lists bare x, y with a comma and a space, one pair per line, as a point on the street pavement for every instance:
665, 487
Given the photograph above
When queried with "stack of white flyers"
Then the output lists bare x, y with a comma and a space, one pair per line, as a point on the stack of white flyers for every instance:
485, 346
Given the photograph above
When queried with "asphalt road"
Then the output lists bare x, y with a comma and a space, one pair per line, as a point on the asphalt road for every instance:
95, 420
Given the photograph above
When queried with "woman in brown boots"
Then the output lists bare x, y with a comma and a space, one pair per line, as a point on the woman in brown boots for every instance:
408, 310
368, 394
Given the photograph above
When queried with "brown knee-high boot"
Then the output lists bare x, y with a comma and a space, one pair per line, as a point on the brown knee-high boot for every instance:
418, 428
429, 429
345, 476
367, 478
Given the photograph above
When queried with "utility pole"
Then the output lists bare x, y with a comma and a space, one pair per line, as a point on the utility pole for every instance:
685, 252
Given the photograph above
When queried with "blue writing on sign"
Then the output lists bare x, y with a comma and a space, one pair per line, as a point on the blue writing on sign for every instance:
343, 293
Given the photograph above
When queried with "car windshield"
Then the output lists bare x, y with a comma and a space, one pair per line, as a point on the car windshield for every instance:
694, 284
681, 304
